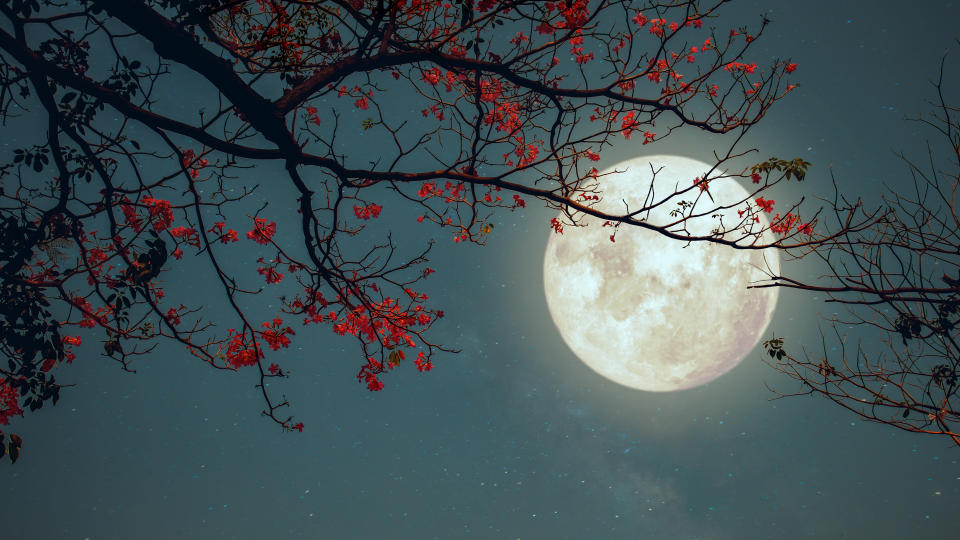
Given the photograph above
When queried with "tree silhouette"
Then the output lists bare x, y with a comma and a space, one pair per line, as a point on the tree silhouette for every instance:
900, 277
512, 101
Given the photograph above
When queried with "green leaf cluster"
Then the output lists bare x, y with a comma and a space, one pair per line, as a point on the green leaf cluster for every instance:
795, 168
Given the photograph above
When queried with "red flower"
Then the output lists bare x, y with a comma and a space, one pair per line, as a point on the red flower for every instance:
262, 231
188, 234
755, 177
627, 125
366, 212
783, 226
369, 375
790, 68
426, 189
275, 336
8, 402
765, 204
160, 211
557, 226
241, 352
130, 216
422, 363
271, 275
739, 66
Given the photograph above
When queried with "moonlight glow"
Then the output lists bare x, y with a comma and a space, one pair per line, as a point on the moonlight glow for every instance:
645, 311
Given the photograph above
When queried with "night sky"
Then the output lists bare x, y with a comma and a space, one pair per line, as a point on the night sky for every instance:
514, 437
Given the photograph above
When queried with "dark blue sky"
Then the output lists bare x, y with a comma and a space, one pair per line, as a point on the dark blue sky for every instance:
514, 437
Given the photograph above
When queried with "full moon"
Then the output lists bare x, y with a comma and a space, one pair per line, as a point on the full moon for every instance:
650, 312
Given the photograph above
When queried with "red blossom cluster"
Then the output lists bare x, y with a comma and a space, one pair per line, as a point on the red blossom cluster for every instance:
628, 125
90, 316
785, 224
765, 204
224, 237
9, 405
262, 232
270, 274
435, 76
557, 226
241, 350
130, 216
276, 334
426, 189
526, 153
703, 184
505, 116
160, 212
368, 374
312, 116
368, 211
187, 234
449, 193
192, 164
422, 363
740, 66
576, 49
173, 315
70, 340
386, 322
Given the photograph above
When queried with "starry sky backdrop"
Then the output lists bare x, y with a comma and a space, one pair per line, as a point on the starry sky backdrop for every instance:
514, 437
